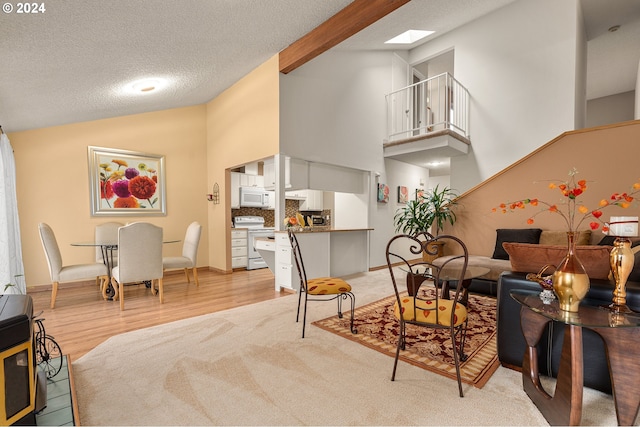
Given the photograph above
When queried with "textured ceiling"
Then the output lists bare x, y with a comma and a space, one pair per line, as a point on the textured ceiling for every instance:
70, 64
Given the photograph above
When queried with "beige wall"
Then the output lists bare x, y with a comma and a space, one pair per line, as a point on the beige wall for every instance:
52, 180
607, 157
242, 126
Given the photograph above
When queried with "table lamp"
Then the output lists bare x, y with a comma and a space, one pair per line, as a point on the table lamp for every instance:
621, 258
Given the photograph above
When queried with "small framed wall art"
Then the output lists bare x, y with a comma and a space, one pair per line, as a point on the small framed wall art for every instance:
383, 193
403, 194
126, 183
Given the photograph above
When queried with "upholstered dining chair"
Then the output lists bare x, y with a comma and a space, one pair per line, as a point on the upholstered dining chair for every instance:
107, 232
139, 258
319, 289
69, 273
418, 303
189, 253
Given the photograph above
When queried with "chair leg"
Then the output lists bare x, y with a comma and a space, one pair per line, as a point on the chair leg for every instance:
54, 294
121, 291
186, 273
161, 290
456, 360
304, 315
195, 276
352, 297
400, 345
299, 299
153, 289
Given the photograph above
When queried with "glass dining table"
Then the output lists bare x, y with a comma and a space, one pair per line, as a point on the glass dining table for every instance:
107, 248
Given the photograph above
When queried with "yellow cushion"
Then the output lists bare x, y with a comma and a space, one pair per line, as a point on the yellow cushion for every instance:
327, 286
428, 315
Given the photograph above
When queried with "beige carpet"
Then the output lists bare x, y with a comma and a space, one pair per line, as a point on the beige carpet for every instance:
426, 348
249, 366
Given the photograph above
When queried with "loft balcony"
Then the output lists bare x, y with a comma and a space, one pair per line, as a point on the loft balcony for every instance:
428, 121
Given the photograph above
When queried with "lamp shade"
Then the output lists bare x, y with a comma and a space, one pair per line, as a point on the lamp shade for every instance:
623, 226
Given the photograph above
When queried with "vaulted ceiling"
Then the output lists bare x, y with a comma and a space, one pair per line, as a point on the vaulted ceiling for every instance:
73, 61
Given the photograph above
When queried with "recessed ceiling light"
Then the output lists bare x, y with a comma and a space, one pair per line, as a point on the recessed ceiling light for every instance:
145, 86
409, 37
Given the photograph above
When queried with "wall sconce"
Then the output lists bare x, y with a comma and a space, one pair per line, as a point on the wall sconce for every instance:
215, 195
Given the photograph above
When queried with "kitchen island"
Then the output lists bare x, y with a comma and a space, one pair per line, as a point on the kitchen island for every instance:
326, 252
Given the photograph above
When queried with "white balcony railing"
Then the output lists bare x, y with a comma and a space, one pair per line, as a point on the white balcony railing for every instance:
428, 106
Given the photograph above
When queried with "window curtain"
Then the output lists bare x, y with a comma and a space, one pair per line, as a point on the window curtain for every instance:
11, 267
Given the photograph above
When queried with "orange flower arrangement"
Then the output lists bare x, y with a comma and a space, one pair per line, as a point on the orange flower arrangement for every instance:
571, 190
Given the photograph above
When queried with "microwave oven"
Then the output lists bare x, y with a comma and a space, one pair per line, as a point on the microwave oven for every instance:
254, 197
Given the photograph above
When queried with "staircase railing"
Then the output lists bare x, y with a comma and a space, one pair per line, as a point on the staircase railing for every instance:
431, 105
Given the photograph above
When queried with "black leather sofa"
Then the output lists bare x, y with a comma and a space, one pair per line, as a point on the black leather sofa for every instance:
511, 343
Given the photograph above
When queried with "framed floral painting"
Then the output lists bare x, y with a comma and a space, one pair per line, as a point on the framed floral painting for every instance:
124, 183
383, 193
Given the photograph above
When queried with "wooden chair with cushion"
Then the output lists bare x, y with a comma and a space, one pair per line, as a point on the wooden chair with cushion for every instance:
425, 307
69, 273
319, 289
139, 258
189, 253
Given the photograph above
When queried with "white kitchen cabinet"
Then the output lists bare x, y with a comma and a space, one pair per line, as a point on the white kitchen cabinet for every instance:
285, 267
296, 174
238, 248
235, 190
251, 180
314, 201
269, 171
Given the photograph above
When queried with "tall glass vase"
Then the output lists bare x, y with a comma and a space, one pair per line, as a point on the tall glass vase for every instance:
570, 280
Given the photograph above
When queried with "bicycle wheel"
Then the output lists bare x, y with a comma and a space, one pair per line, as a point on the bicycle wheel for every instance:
49, 356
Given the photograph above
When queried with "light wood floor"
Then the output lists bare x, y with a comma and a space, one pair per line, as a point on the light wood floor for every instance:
82, 319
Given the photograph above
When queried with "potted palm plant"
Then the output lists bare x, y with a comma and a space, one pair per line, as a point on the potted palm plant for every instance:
431, 208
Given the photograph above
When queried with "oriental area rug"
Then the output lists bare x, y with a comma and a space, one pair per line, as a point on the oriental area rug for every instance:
426, 348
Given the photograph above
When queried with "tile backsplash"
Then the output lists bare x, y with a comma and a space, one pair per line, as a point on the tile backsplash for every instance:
290, 208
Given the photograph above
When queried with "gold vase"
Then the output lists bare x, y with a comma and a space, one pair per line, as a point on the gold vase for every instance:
621, 260
570, 280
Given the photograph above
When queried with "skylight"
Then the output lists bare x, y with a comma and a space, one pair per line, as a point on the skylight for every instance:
409, 37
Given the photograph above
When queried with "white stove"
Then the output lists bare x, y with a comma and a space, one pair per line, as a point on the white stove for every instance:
255, 228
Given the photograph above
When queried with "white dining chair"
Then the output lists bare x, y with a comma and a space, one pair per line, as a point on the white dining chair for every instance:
61, 273
189, 253
139, 258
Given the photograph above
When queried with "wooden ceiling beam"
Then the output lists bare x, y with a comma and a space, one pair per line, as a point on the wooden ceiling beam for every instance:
353, 18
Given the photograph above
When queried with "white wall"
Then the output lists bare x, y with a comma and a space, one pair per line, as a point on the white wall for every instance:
519, 65
611, 109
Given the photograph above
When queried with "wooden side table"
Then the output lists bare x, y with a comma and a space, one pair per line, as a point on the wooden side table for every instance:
621, 335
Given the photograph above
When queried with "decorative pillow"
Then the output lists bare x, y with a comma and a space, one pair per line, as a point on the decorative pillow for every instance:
608, 241
520, 235
530, 258
560, 238
634, 276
